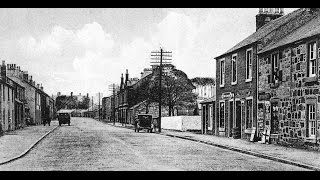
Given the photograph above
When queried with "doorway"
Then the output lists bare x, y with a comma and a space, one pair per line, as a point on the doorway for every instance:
238, 119
231, 112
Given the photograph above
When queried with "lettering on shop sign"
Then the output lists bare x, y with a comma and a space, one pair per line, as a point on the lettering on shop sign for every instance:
264, 96
227, 95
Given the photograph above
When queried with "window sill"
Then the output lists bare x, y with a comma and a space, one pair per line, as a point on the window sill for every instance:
221, 86
248, 80
234, 83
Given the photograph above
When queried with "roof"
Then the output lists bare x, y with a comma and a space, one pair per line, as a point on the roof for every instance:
208, 100
310, 29
265, 30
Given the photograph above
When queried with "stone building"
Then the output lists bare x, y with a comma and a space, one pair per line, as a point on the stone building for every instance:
7, 104
23, 79
237, 92
289, 97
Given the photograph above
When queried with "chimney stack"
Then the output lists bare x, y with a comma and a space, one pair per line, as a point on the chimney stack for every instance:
3, 70
127, 77
121, 79
266, 15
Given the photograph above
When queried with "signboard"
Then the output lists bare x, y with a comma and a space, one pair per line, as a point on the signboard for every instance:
227, 95
252, 134
264, 96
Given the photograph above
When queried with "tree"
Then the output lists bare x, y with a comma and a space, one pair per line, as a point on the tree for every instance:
177, 90
84, 103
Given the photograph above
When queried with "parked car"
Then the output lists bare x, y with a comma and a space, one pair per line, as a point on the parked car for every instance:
144, 121
64, 118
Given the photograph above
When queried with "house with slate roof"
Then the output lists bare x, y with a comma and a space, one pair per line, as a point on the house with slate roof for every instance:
237, 92
288, 88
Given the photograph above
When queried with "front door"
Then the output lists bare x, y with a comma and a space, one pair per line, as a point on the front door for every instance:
274, 118
238, 116
230, 117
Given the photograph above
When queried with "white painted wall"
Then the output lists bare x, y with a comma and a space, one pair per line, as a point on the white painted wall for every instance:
181, 123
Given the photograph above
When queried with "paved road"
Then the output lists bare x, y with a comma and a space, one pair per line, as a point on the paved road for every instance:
91, 145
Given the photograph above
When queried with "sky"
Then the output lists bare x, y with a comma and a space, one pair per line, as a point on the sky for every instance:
85, 50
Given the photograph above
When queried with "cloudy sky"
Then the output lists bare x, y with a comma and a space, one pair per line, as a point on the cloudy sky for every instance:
85, 50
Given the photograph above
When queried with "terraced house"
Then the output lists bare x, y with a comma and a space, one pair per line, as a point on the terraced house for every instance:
289, 97
237, 92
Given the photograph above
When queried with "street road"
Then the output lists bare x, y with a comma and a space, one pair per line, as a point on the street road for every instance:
92, 145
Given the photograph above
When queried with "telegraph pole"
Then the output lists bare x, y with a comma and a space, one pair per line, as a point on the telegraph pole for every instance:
112, 88
158, 56
92, 107
99, 106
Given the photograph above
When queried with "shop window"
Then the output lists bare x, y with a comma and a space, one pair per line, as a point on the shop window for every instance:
249, 113
210, 116
222, 115
311, 129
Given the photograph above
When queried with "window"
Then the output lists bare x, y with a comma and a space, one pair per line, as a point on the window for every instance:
249, 65
210, 116
312, 120
274, 67
4, 93
312, 59
222, 72
221, 120
234, 69
249, 113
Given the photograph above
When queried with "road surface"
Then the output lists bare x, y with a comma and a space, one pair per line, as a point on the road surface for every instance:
90, 145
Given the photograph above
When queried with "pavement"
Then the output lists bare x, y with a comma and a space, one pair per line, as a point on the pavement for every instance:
16, 144
299, 157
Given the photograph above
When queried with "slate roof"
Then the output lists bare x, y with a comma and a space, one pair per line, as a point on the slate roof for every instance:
265, 30
310, 29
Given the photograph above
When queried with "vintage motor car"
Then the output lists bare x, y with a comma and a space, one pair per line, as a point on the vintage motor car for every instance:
144, 121
64, 118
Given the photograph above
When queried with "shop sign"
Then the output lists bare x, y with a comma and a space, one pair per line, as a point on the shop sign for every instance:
311, 100
226, 96
264, 96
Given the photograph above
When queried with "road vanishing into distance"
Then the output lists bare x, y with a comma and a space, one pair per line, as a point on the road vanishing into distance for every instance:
90, 145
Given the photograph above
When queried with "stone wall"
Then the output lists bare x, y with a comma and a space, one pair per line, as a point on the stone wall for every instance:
292, 95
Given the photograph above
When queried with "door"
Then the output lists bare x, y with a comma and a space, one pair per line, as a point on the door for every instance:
231, 112
274, 118
238, 116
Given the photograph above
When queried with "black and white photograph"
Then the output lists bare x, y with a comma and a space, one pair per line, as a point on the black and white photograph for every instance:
160, 89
